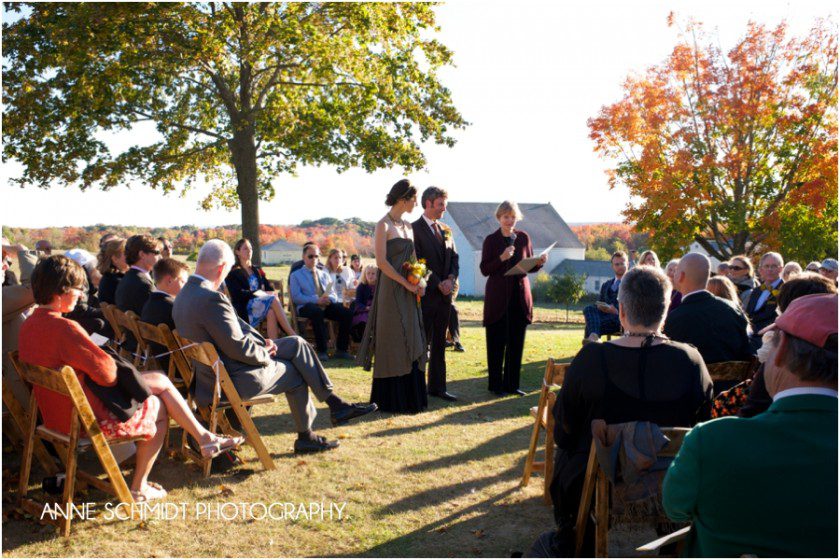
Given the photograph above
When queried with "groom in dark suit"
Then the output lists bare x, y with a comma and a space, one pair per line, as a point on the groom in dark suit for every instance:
433, 243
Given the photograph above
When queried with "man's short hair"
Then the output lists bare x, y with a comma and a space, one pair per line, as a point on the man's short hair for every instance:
620, 254
306, 247
431, 195
771, 254
644, 295
168, 267
54, 276
215, 252
137, 244
805, 284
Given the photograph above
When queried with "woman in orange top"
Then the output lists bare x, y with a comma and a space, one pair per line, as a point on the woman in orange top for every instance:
49, 340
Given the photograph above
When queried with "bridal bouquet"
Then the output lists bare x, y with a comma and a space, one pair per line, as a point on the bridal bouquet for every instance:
416, 273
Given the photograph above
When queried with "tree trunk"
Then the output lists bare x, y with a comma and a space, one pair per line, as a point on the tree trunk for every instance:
243, 151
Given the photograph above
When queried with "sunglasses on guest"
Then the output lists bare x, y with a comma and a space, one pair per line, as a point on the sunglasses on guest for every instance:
736, 267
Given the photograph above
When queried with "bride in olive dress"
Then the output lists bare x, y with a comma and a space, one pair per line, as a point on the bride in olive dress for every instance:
394, 340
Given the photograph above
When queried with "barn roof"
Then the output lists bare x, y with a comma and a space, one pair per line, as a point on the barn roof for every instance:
544, 225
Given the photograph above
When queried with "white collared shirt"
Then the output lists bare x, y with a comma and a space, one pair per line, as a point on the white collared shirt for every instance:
431, 224
805, 391
142, 270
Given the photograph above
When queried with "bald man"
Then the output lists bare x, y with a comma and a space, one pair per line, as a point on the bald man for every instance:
717, 327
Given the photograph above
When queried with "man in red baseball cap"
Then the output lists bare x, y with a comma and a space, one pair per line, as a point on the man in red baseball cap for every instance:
767, 485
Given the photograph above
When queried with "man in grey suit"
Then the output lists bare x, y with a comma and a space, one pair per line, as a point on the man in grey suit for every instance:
257, 366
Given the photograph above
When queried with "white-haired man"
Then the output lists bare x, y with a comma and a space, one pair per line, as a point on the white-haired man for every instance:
761, 307
257, 366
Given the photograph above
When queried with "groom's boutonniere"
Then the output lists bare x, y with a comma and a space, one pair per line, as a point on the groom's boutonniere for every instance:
447, 232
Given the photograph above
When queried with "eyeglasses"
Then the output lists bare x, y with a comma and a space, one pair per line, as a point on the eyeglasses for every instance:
153, 252
736, 267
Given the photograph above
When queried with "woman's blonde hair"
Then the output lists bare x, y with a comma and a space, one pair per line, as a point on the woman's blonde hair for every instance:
364, 273
723, 287
508, 207
105, 257
653, 254
330, 255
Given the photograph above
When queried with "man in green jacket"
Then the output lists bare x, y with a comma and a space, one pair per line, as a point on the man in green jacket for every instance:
767, 485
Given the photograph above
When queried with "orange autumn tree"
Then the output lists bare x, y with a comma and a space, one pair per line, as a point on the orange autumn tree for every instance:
718, 147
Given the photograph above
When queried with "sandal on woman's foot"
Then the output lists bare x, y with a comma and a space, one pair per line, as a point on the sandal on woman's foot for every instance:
220, 445
150, 492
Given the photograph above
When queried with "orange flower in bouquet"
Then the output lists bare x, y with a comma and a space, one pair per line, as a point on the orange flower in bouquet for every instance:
416, 273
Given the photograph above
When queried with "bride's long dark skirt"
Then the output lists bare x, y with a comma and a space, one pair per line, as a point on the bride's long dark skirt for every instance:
406, 393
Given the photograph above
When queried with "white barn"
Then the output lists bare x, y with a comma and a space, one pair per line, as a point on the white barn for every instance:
595, 272
280, 252
471, 222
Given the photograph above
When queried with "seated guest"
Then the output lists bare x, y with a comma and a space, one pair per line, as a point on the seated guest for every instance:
299, 264
767, 485
337, 274
723, 269
364, 301
9, 278
649, 258
253, 296
165, 247
758, 400
722, 287
813, 266
602, 318
257, 366
790, 270
308, 289
715, 326
676, 296
356, 269
17, 303
141, 254
761, 307
828, 268
170, 276
49, 340
640, 376
87, 312
110, 262
742, 275
88, 263
43, 248
106, 238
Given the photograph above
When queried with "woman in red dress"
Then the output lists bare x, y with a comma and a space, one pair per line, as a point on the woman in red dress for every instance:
49, 340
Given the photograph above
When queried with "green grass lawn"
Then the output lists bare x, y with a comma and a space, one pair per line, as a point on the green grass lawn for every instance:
437, 484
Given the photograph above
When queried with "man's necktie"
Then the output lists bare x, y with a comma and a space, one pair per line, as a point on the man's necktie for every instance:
319, 289
438, 234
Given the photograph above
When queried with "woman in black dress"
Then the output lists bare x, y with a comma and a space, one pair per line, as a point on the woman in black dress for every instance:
110, 262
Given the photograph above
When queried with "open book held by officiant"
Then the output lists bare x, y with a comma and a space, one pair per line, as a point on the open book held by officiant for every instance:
527, 265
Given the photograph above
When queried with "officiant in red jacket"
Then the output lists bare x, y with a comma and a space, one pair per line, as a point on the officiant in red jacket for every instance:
508, 306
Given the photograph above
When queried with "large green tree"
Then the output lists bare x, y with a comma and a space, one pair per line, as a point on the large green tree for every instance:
239, 93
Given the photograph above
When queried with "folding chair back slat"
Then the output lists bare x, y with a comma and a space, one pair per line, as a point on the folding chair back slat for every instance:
730, 371
119, 333
66, 383
127, 321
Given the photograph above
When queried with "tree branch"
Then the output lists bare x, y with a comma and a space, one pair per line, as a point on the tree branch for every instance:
178, 125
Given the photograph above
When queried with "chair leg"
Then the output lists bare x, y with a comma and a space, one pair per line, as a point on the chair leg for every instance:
535, 437
28, 446
602, 516
585, 500
548, 470
70, 480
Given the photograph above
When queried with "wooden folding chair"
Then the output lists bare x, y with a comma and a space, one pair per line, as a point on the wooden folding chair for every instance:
225, 397
18, 420
554, 375
66, 383
730, 371
147, 335
597, 485
128, 322
119, 333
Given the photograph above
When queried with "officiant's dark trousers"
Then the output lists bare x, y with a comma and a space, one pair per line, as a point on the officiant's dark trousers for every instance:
505, 342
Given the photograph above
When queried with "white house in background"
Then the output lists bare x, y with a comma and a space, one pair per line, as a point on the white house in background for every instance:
471, 222
695, 247
281, 252
596, 272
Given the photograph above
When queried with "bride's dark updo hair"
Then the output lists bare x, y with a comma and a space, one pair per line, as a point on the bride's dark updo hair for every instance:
402, 190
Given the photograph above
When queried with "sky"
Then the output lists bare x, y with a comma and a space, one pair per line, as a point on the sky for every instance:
528, 75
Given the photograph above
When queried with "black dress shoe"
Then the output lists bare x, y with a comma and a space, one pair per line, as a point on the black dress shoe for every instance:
448, 344
445, 396
459, 347
316, 445
519, 392
347, 413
